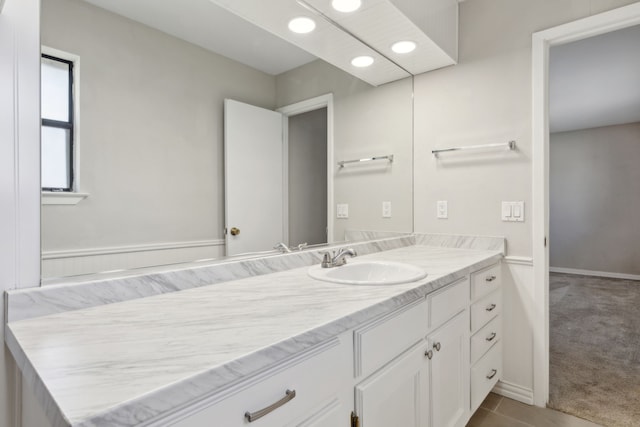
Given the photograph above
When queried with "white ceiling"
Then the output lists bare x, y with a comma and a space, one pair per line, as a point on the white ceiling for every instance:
204, 24
595, 82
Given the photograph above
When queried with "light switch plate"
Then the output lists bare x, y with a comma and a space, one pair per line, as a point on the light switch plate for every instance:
513, 211
342, 210
386, 209
442, 209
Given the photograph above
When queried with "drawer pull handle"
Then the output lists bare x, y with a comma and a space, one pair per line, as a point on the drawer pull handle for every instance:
252, 416
429, 354
491, 336
437, 346
490, 307
490, 278
492, 374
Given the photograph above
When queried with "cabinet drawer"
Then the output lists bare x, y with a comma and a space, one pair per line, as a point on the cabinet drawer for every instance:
382, 340
314, 379
447, 302
485, 374
486, 337
486, 281
486, 309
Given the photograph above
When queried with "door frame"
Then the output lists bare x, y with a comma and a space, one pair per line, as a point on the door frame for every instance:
322, 101
542, 41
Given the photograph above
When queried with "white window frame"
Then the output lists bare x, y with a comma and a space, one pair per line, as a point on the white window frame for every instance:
74, 196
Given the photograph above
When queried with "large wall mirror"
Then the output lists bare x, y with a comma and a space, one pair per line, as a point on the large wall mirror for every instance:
148, 152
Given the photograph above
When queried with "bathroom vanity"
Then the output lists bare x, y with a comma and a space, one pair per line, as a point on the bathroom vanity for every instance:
277, 349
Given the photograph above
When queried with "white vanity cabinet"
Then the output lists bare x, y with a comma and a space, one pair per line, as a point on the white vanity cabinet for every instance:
428, 384
301, 392
450, 372
429, 363
448, 351
393, 369
397, 395
486, 332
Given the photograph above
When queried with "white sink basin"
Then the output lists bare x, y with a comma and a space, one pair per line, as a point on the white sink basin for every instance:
369, 273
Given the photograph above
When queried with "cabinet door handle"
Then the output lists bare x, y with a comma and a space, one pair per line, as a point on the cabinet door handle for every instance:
491, 336
492, 374
490, 307
429, 354
490, 278
437, 346
252, 416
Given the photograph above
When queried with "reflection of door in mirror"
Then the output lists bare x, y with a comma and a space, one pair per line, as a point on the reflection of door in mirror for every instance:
275, 180
253, 177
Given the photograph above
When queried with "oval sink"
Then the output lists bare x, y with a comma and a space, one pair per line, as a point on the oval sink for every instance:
369, 273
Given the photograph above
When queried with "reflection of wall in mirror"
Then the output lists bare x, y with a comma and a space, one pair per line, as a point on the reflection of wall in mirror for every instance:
369, 121
150, 140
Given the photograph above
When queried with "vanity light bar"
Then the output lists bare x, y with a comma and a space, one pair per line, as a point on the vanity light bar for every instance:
511, 145
369, 159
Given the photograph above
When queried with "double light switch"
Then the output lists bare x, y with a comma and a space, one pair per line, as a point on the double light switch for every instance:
513, 211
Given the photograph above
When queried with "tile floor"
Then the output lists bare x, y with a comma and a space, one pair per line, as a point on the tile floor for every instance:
498, 411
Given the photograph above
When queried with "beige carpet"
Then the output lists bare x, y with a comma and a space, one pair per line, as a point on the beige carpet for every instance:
595, 348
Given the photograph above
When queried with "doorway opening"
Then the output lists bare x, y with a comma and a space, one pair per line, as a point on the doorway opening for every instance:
308, 171
596, 25
594, 149
306, 150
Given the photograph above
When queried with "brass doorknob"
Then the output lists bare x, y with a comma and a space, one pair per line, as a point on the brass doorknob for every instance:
235, 231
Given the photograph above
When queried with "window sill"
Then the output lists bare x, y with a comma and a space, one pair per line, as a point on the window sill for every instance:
60, 198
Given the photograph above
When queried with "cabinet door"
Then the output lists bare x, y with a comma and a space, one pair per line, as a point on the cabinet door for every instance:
450, 372
398, 394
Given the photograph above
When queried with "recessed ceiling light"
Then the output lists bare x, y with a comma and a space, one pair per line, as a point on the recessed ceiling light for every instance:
302, 25
362, 61
346, 5
404, 46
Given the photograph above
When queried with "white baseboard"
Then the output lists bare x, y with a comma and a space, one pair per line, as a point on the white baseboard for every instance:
95, 260
594, 273
515, 392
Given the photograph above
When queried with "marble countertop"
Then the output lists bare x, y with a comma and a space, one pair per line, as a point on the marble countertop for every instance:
135, 361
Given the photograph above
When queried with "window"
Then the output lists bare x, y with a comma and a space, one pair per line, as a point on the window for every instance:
57, 112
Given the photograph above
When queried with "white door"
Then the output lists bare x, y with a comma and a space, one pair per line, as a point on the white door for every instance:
398, 394
450, 372
253, 177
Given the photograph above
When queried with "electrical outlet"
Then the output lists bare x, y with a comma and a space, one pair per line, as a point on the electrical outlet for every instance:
386, 209
342, 210
442, 209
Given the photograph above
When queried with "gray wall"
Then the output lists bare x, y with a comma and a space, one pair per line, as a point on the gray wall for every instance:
595, 199
485, 98
368, 121
308, 177
151, 131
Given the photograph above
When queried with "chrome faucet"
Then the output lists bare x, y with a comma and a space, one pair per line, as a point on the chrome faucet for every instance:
338, 259
282, 247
